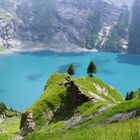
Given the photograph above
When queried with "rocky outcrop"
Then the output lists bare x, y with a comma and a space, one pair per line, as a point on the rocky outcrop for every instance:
75, 94
75, 120
120, 117
74, 98
27, 124
2, 118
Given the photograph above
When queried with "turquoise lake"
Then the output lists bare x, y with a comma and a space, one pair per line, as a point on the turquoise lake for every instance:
23, 76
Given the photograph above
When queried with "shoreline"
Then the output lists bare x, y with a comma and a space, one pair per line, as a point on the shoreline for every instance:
17, 50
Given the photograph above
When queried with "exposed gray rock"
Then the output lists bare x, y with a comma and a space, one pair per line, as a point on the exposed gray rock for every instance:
119, 117
75, 120
8, 24
2, 118
123, 116
75, 98
27, 124
75, 93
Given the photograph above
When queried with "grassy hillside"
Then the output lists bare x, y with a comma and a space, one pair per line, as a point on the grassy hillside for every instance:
55, 93
79, 109
9, 127
57, 118
136, 95
9, 122
6, 111
128, 130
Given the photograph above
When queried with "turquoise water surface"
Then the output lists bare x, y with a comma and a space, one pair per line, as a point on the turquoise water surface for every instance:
23, 76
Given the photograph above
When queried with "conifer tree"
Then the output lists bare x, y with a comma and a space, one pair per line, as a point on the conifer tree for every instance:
127, 96
71, 70
91, 69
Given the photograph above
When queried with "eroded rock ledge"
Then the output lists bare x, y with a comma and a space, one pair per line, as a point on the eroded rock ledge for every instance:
27, 124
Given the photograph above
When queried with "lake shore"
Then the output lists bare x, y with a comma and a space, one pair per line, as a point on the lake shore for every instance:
29, 46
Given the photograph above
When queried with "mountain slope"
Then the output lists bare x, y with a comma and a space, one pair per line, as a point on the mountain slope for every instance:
105, 25
9, 122
79, 104
60, 92
8, 24
70, 23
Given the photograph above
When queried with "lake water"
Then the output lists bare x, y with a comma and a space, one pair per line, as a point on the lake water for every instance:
23, 76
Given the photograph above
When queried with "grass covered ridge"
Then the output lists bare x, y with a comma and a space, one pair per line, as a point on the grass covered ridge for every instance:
97, 86
50, 100
55, 94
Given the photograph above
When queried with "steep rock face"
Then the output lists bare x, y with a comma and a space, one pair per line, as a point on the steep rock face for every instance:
118, 39
27, 124
8, 24
83, 23
134, 29
88, 24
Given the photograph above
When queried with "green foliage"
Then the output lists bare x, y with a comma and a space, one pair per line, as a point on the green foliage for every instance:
11, 127
128, 130
55, 96
91, 69
86, 84
130, 95
8, 112
127, 96
120, 108
3, 108
136, 95
133, 95
51, 98
71, 70
89, 108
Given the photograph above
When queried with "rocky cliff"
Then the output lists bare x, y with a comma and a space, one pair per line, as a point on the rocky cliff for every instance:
91, 24
8, 24
134, 40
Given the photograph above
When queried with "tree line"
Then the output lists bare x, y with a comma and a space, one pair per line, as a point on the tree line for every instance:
91, 69
129, 96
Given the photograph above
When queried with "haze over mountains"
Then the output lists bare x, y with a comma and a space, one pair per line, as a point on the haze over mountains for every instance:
91, 24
